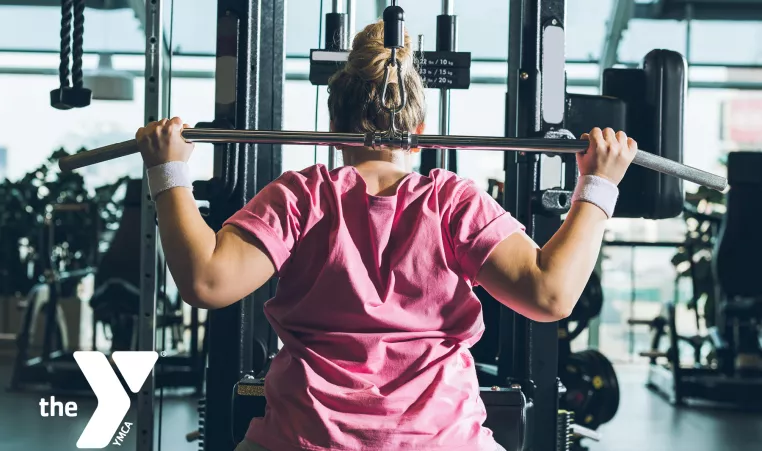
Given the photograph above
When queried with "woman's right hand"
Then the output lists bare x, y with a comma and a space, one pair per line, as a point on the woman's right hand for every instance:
609, 154
161, 142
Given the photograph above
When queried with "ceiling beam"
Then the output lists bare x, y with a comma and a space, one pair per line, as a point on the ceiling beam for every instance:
743, 10
380, 7
97, 4
139, 7
478, 80
621, 13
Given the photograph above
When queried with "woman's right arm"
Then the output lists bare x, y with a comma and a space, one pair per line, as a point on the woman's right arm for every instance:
545, 283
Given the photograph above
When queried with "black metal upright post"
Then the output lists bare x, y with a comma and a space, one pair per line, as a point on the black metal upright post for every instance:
249, 95
337, 38
156, 107
447, 41
269, 157
535, 105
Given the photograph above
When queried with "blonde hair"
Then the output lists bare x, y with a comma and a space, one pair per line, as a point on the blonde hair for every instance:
354, 101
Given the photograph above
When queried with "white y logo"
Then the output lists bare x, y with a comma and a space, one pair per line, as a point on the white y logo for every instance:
113, 401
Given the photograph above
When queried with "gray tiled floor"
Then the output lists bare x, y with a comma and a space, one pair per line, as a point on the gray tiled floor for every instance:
644, 422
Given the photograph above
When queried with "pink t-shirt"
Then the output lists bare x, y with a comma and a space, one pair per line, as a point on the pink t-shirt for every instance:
375, 310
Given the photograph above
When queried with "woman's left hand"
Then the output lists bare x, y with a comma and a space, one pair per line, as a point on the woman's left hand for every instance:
162, 141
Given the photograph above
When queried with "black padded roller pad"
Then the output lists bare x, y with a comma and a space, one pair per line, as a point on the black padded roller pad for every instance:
739, 246
654, 96
744, 168
584, 112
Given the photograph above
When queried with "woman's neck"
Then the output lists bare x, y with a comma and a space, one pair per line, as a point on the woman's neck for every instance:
381, 170
383, 159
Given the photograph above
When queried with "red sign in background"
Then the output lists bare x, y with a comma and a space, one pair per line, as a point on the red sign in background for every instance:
742, 121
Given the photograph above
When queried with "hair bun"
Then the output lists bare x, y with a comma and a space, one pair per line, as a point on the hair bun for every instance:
357, 97
369, 58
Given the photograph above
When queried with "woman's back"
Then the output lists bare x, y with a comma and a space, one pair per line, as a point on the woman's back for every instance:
375, 304
375, 310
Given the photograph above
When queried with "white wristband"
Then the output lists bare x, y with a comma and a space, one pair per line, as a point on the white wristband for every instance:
597, 191
167, 176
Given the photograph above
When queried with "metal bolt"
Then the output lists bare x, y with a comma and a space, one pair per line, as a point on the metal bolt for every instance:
554, 22
524, 76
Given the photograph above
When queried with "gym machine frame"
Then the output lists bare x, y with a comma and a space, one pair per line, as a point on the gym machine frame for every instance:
156, 106
249, 87
250, 60
535, 105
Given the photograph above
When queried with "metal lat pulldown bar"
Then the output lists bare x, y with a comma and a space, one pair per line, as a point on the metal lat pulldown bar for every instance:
404, 141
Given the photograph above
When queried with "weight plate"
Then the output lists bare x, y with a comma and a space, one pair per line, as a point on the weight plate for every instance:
590, 302
609, 391
592, 388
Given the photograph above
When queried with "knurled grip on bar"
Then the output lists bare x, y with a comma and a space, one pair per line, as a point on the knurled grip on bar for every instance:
667, 166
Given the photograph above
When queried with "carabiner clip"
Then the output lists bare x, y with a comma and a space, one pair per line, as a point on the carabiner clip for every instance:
393, 110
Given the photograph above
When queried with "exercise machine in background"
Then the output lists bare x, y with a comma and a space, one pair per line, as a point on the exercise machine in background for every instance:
726, 362
72, 229
648, 103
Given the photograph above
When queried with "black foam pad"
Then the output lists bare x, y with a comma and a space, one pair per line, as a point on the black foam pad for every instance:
739, 246
654, 96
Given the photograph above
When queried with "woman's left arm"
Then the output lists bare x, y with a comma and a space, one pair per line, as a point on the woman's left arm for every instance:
211, 270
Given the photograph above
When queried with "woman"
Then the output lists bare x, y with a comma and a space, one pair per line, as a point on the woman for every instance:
376, 265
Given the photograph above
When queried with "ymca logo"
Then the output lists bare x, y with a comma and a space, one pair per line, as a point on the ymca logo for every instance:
113, 401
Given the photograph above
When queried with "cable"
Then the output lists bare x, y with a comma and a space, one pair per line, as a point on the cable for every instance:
317, 88
79, 33
163, 296
171, 54
66, 19
232, 414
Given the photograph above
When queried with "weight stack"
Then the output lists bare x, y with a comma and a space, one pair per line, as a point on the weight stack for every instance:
564, 430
